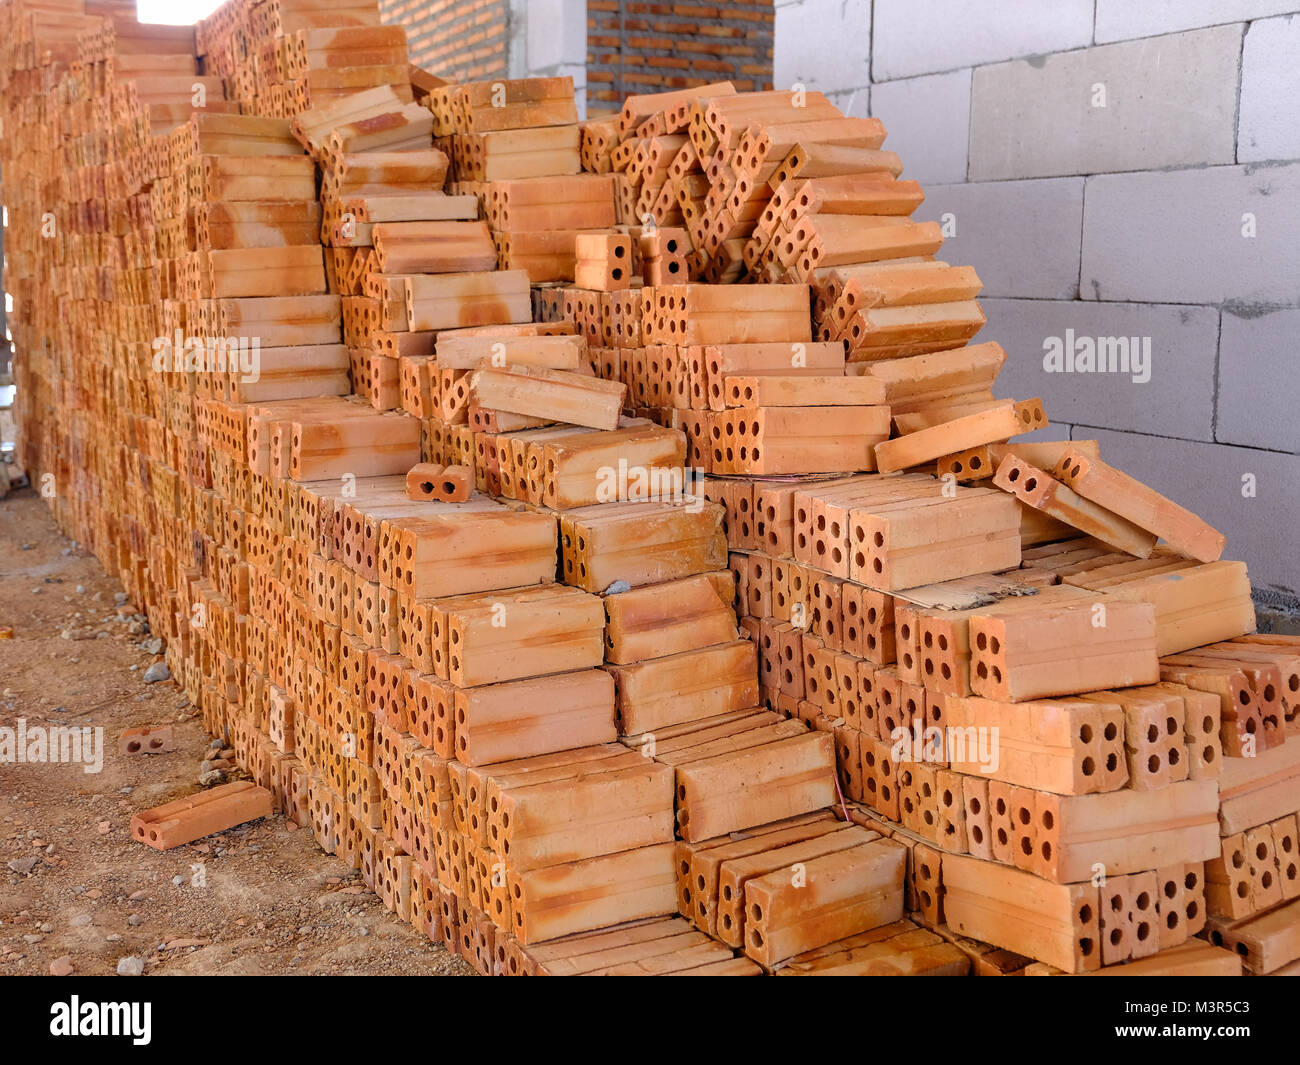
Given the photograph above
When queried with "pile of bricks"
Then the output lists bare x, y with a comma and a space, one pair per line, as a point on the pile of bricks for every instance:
610, 616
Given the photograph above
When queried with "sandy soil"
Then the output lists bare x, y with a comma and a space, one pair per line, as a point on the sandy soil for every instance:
262, 898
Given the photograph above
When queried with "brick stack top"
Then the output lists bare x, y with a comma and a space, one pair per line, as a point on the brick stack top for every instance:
750, 552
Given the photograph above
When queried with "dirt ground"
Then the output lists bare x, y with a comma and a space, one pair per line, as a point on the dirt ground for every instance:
262, 898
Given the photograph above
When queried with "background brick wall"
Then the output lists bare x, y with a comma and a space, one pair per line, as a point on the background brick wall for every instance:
455, 39
1119, 168
635, 47
468, 40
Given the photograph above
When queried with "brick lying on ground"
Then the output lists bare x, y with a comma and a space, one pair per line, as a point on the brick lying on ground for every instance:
155, 739
605, 689
215, 810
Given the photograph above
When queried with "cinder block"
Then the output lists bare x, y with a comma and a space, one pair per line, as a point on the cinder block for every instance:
1186, 236
928, 124
1176, 400
924, 36
1122, 20
823, 45
1270, 85
1023, 237
1254, 349
1168, 101
1208, 480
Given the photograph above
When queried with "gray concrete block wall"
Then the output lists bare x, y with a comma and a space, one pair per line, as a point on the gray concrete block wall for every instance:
1025, 234
812, 49
548, 39
1255, 349
1162, 378
1123, 20
918, 107
1270, 87
1218, 234
913, 37
1116, 170
1139, 105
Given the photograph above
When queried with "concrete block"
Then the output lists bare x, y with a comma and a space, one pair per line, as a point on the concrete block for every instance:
1210, 480
1193, 236
822, 44
557, 32
1270, 86
912, 37
1169, 391
1023, 237
1055, 431
1254, 351
1168, 101
1122, 20
856, 103
548, 38
928, 124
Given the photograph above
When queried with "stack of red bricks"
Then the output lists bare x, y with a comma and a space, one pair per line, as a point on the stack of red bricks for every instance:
759, 645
